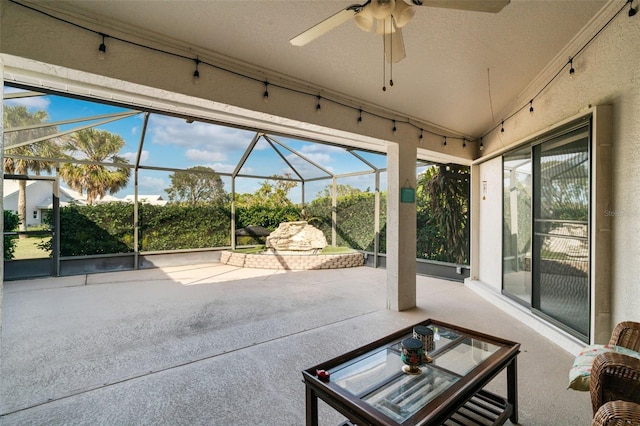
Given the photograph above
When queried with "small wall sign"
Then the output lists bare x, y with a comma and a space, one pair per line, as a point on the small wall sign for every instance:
407, 195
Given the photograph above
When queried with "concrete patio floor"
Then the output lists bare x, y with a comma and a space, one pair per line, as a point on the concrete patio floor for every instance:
218, 345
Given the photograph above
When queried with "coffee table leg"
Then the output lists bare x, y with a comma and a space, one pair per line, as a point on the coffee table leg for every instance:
512, 389
312, 407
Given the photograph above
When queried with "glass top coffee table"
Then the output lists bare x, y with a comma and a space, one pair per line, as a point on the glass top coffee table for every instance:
369, 387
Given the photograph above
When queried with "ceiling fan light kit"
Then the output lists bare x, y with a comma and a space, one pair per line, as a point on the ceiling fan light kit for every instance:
390, 16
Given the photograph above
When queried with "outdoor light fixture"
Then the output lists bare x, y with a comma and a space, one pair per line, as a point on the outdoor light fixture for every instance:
102, 50
265, 96
196, 73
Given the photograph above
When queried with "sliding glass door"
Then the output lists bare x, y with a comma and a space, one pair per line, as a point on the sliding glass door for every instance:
546, 229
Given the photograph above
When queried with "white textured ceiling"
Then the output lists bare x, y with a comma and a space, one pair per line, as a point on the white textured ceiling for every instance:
463, 69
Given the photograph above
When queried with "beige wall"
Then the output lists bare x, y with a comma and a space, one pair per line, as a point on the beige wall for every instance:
607, 73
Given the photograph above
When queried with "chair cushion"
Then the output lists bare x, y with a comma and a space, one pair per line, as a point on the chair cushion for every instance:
580, 373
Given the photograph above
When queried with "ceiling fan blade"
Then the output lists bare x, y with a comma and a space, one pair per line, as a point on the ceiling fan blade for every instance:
491, 6
394, 44
325, 26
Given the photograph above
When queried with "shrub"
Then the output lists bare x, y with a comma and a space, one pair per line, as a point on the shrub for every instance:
11, 222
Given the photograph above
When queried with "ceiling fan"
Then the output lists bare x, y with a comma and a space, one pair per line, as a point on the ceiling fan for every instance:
388, 17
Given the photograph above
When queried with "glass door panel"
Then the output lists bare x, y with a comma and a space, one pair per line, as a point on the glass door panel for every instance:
516, 241
561, 230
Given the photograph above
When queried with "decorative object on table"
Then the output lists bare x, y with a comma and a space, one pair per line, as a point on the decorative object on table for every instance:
323, 375
411, 355
425, 335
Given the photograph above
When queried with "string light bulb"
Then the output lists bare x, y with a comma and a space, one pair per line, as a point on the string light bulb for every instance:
421, 136
196, 73
445, 141
359, 117
632, 10
464, 143
318, 106
531, 106
502, 127
481, 145
265, 95
572, 71
102, 49
394, 130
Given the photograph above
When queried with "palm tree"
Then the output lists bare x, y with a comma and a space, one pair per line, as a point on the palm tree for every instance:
19, 116
444, 192
95, 147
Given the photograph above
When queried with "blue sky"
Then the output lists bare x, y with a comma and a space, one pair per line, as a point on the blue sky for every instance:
173, 143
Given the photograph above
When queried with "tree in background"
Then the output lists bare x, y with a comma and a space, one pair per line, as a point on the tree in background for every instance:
19, 116
273, 192
196, 185
443, 197
94, 178
342, 190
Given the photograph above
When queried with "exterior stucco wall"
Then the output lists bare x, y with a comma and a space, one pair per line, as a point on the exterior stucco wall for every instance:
607, 73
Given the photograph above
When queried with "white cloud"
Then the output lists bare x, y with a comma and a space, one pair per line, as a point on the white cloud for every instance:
131, 156
156, 185
174, 131
199, 155
32, 103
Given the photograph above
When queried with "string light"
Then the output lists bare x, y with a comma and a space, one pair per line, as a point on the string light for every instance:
572, 70
265, 95
464, 143
360, 116
394, 130
102, 50
196, 73
445, 141
421, 137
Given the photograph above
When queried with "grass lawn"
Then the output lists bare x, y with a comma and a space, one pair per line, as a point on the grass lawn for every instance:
27, 248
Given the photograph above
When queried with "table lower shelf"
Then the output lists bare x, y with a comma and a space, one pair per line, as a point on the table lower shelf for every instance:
483, 409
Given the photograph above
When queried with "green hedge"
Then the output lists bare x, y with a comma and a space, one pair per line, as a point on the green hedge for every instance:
108, 228
11, 222
174, 227
355, 214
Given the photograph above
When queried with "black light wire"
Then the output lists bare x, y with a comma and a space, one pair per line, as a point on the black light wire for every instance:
307, 93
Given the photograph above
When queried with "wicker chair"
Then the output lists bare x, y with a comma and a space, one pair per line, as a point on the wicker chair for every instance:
617, 413
614, 377
626, 334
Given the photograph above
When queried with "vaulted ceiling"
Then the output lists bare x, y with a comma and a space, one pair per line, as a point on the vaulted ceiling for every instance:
462, 71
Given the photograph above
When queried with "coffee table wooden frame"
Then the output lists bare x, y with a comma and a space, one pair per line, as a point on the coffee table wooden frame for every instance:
450, 407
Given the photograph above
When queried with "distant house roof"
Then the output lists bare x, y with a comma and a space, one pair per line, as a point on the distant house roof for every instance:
149, 199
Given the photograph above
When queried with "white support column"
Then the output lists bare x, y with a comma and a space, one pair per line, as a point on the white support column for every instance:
401, 227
